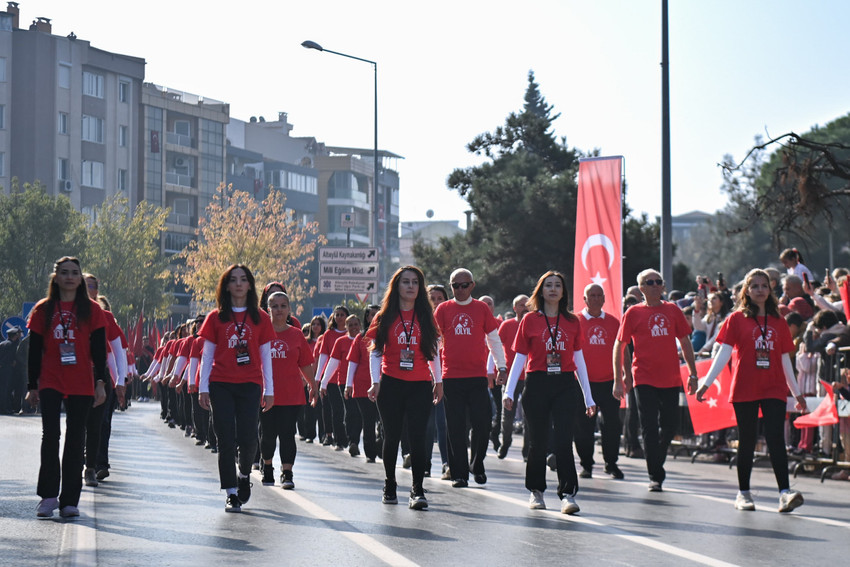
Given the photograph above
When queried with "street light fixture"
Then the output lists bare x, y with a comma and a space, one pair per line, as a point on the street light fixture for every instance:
373, 217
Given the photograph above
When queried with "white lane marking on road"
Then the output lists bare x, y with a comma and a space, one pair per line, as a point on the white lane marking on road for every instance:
79, 540
366, 542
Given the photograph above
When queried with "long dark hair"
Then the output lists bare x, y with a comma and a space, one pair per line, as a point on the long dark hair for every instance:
747, 307
390, 309
535, 303
224, 302
82, 303
332, 324
322, 322
264, 298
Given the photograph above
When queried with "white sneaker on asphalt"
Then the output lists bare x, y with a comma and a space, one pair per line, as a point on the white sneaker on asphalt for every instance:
568, 505
46, 507
789, 500
535, 501
744, 501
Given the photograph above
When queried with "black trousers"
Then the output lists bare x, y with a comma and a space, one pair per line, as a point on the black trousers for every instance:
94, 428
398, 399
200, 418
353, 419
70, 472
608, 408
508, 417
747, 414
279, 423
105, 431
467, 398
236, 408
337, 408
658, 409
549, 404
369, 416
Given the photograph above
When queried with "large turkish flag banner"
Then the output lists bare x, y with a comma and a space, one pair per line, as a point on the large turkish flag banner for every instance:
715, 411
825, 414
599, 231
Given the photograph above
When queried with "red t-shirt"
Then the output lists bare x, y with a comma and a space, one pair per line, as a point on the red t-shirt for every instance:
290, 353
598, 335
196, 352
749, 382
396, 341
534, 339
325, 346
160, 350
507, 333
654, 331
226, 334
69, 379
464, 328
340, 352
359, 354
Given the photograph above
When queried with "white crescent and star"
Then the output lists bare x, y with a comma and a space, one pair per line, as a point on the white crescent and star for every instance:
597, 240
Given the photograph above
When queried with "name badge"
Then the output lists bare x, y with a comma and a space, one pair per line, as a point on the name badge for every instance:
405, 359
67, 355
762, 358
553, 363
242, 356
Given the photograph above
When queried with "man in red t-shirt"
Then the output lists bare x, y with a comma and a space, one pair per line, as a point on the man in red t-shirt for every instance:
468, 328
654, 326
599, 331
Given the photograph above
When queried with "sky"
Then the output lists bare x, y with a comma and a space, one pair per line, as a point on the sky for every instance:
448, 71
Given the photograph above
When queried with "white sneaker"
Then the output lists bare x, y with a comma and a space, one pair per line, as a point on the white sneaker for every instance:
744, 501
46, 507
789, 500
568, 505
535, 501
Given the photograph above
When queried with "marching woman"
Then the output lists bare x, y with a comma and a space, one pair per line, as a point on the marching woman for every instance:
67, 337
236, 377
402, 362
333, 408
762, 374
311, 415
292, 364
549, 341
336, 371
357, 384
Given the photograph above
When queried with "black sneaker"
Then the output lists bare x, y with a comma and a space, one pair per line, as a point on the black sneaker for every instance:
614, 471
480, 478
389, 496
232, 504
503, 451
102, 473
243, 489
353, 449
268, 475
585, 473
460, 483
286, 480
417, 499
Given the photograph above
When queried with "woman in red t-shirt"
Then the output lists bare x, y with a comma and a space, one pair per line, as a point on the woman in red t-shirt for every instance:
236, 376
762, 375
292, 365
332, 389
549, 339
67, 338
333, 409
312, 415
357, 384
403, 360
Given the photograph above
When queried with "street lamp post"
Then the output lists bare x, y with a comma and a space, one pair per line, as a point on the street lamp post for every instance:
373, 217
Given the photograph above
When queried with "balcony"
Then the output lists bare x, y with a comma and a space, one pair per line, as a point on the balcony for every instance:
179, 139
181, 179
181, 219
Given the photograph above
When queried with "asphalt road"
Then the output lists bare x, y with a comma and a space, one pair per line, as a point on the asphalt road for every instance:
161, 506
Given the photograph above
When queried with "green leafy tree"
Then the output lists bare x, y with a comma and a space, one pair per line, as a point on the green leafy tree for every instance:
123, 251
36, 230
238, 229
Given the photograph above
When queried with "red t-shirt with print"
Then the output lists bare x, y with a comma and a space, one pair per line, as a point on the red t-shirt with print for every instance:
359, 354
535, 336
749, 381
70, 379
507, 334
340, 352
598, 335
654, 330
290, 353
464, 328
226, 335
405, 325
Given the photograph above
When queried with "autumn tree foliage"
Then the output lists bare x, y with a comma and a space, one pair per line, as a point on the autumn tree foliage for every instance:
238, 229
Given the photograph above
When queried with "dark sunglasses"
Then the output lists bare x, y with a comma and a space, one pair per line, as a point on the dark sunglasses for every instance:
462, 285
653, 282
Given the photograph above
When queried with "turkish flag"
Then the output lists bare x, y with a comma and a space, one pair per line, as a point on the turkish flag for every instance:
844, 291
825, 414
138, 343
599, 231
715, 411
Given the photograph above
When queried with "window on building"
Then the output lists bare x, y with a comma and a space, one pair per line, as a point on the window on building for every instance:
93, 174
2, 116
92, 84
2, 164
62, 123
64, 76
182, 127
62, 171
92, 129
122, 136
2, 69
122, 179
123, 91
